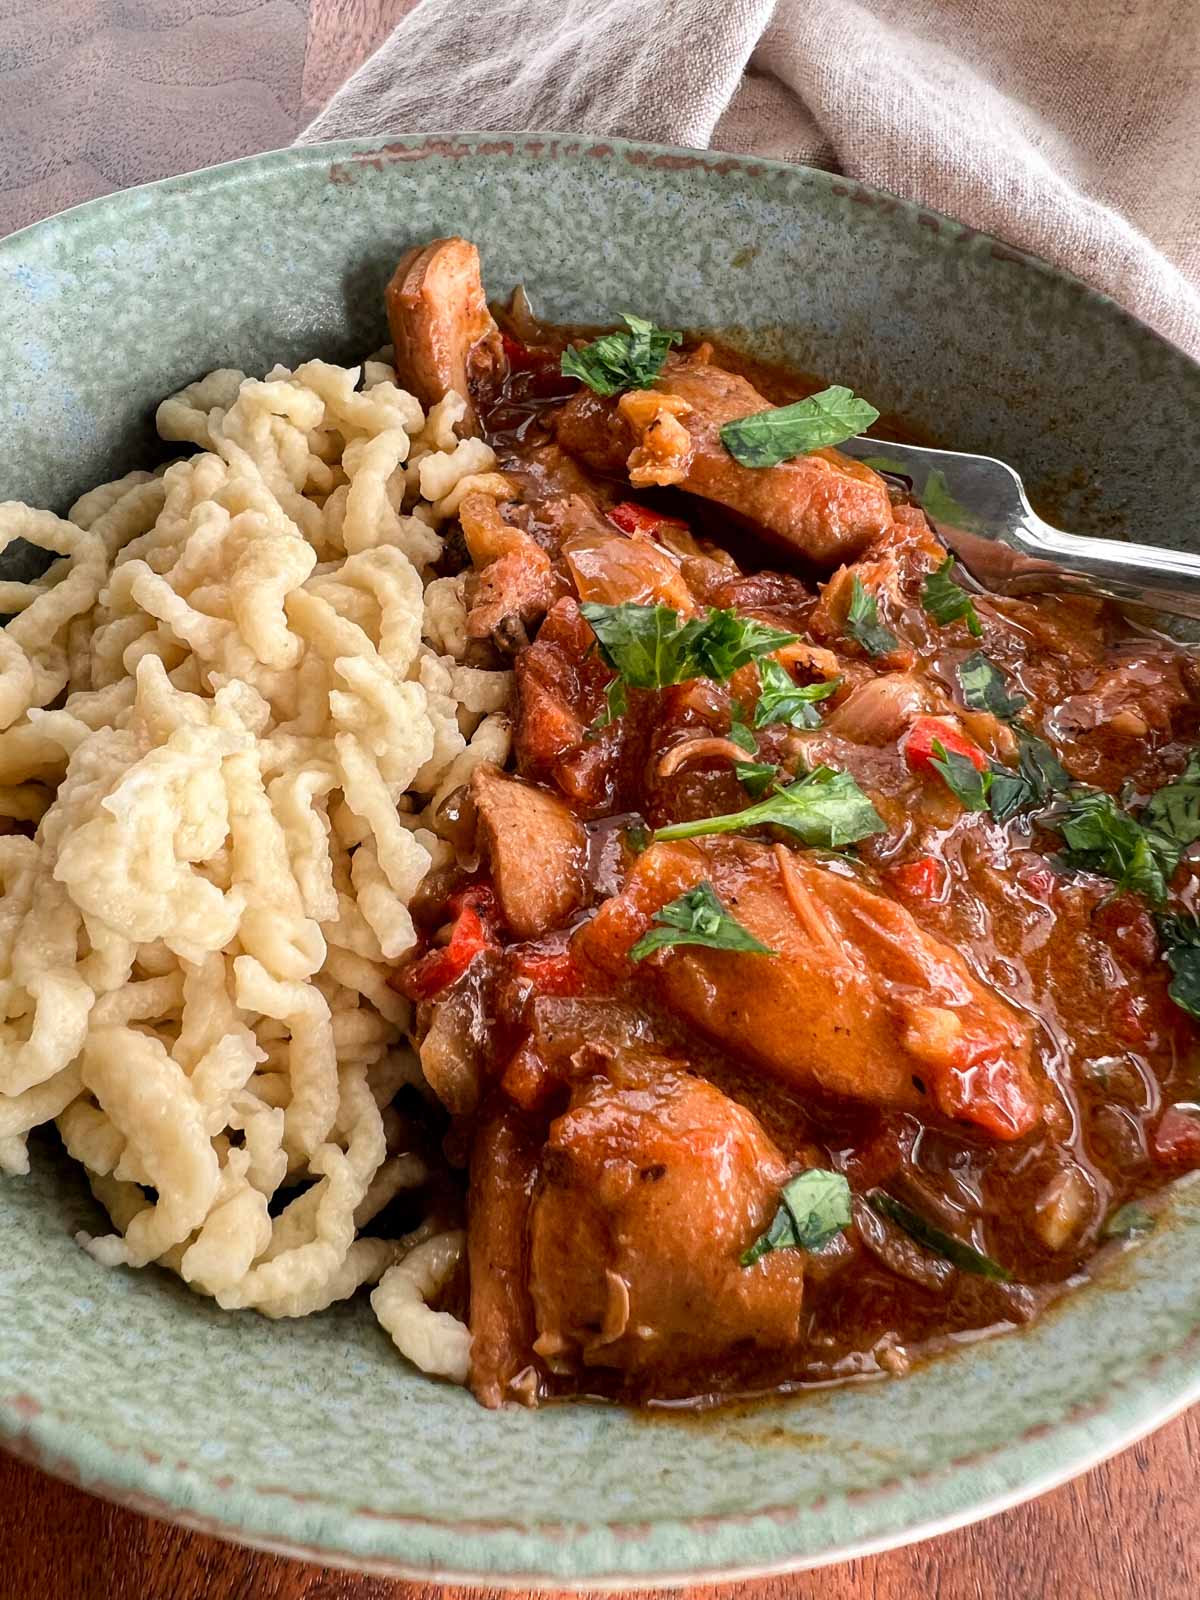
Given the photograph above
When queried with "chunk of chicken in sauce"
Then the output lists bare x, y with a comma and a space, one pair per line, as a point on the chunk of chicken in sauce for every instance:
536, 847
443, 334
653, 1184
514, 583
855, 1000
822, 506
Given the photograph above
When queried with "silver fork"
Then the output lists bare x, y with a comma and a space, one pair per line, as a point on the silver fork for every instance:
980, 510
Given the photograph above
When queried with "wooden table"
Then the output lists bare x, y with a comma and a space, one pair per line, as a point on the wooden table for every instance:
95, 96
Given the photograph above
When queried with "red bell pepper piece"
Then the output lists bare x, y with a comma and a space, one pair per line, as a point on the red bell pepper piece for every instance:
519, 355
633, 518
471, 934
922, 878
925, 732
1176, 1141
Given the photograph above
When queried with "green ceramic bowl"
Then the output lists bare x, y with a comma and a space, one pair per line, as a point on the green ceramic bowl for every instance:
315, 1437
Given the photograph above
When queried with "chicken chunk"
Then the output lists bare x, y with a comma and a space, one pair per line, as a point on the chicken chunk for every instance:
664, 450
823, 505
561, 681
536, 847
857, 1000
441, 328
514, 584
653, 1183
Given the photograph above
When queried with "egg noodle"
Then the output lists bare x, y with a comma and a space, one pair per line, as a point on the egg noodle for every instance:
232, 706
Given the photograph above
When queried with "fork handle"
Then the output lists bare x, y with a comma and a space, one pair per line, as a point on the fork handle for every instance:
1138, 574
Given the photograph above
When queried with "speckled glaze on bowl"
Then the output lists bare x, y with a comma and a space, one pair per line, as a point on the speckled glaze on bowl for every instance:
314, 1437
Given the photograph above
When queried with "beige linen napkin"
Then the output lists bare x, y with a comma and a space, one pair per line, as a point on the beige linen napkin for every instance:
1070, 128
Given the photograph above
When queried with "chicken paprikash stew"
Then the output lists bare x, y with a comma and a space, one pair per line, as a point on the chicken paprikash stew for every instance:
819, 985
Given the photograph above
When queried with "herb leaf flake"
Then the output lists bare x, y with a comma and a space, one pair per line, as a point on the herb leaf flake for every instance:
964, 1256
765, 438
756, 777
825, 809
814, 1207
740, 733
1180, 935
984, 688
1039, 775
652, 646
727, 641
962, 776
1171, 816
1103, 838
863, 624
782, 699
697, 917
947, 601
618, 361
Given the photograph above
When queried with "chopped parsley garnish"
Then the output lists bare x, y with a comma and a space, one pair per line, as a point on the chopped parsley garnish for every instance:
1141, 853
1127, 1221
963, 1256
697, 917
1180, 935
1171, 816
618, 361
1038, 776
1103, 838
814, 1207
984, 688
637, 837
782, 699
725, 641
863, 624
740, 733
825, 809
652, 646
962, 776
756, 777
766, 438
946, 601
616, 704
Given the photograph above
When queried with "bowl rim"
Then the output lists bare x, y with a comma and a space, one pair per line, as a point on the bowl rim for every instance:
50, 1454
385, 147
1139, 1403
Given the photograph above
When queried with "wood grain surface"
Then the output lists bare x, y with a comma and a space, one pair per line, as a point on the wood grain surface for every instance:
99, 94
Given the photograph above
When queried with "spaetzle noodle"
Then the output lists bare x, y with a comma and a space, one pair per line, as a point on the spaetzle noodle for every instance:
214, 704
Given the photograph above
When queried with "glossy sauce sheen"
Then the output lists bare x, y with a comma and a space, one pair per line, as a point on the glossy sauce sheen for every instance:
1080, 967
